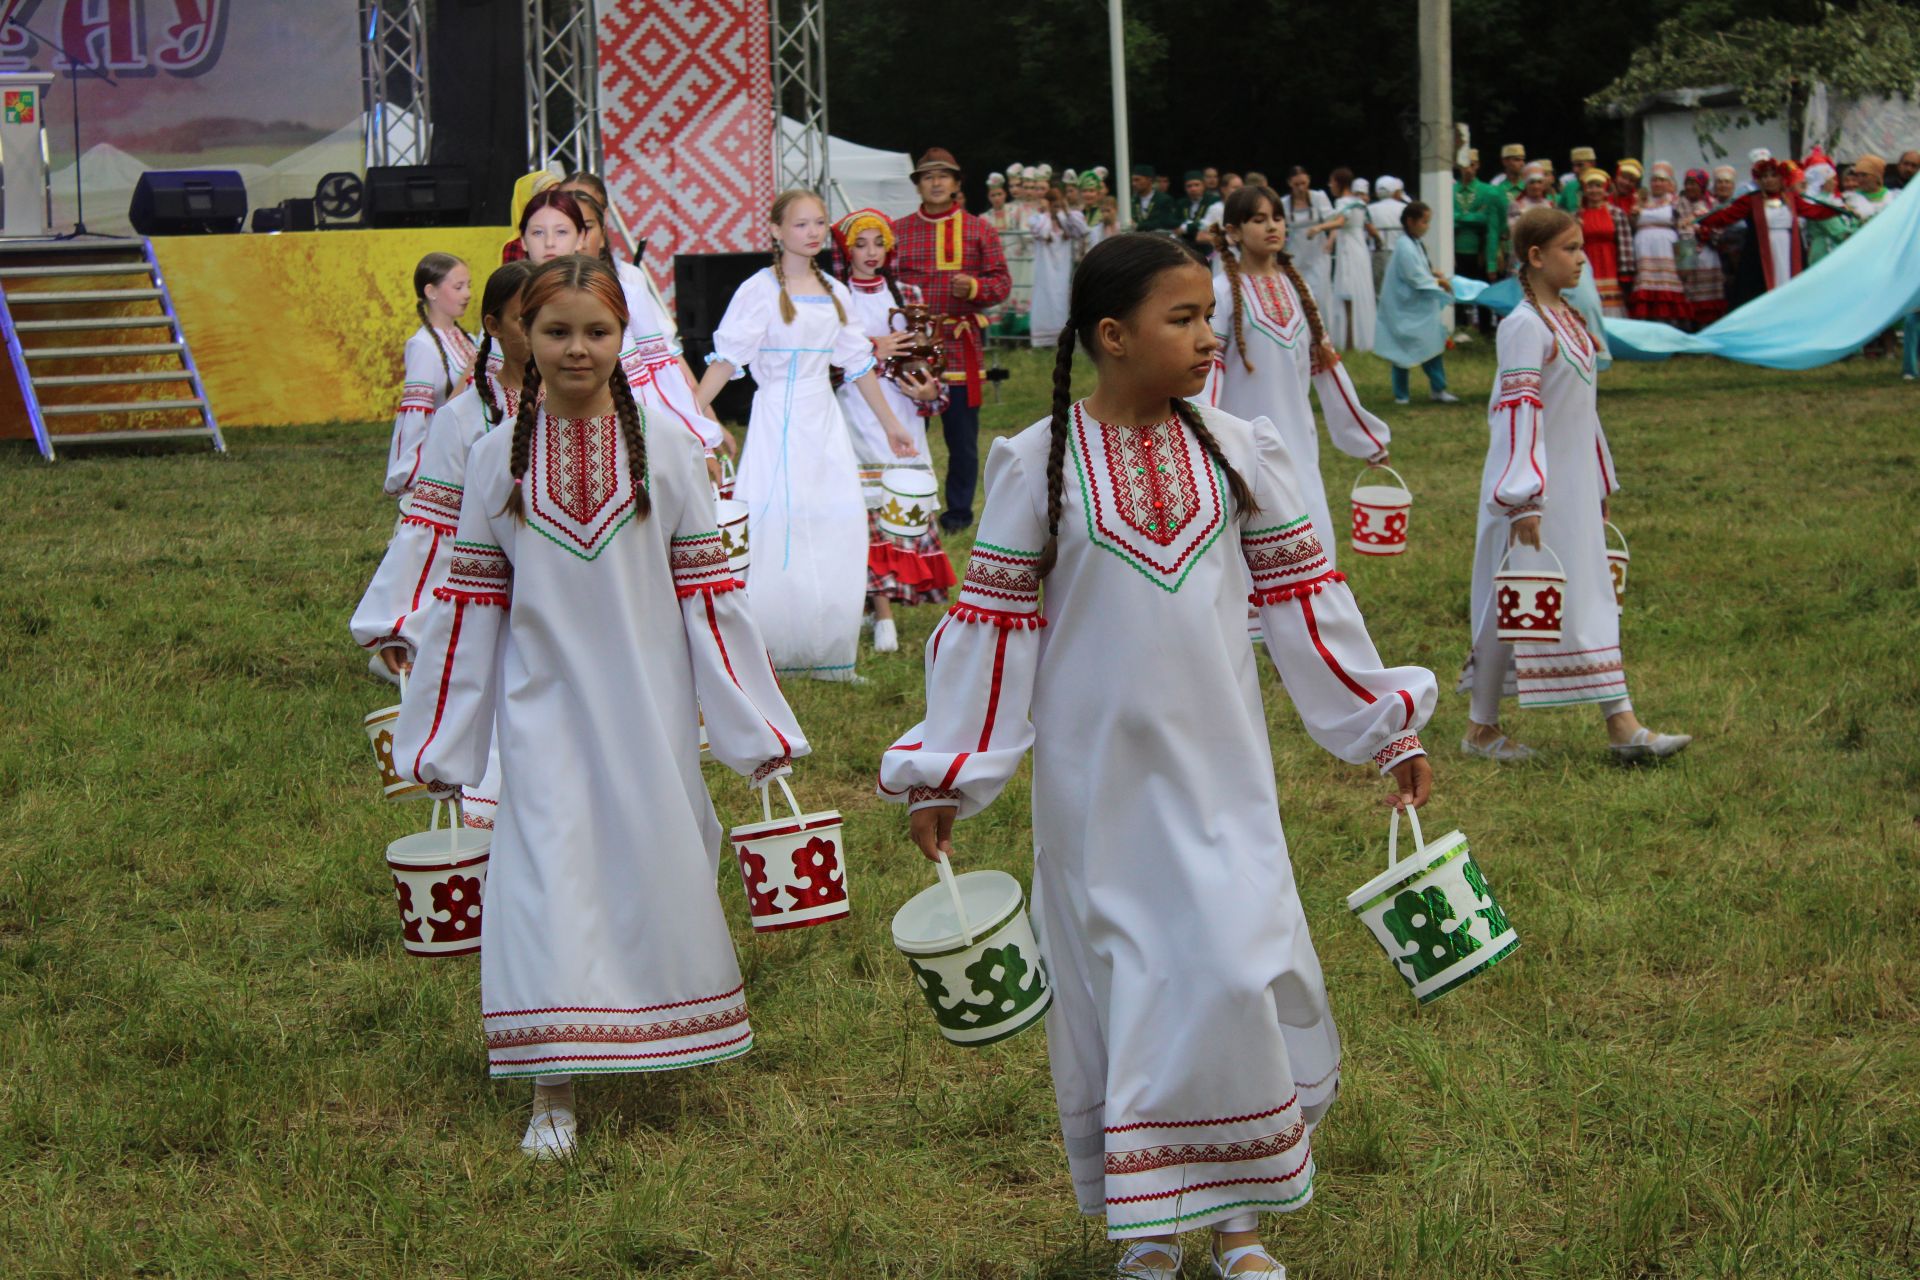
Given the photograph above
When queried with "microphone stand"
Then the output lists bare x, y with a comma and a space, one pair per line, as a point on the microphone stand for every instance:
74, 69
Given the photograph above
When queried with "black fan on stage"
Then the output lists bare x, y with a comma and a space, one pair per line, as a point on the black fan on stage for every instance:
340, 200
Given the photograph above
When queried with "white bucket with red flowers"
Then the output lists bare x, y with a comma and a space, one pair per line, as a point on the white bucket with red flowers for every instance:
440, 875
725, 488
1527, 603
793, 868
1380, 513
1617, 558
732, 518
380, 726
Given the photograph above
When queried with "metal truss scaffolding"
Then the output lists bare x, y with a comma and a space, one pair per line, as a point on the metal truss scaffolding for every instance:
563, 85
800, 93
393, 81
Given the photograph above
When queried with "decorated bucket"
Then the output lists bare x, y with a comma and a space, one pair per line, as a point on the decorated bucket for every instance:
1433, 914
1380, 513
1617, 558
732, 516
724, 490
910, 500
793, 868
872, 492
380, 726
440, 876
973, 955
1527, 602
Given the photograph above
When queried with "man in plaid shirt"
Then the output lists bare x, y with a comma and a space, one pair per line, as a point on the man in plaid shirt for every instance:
955, 260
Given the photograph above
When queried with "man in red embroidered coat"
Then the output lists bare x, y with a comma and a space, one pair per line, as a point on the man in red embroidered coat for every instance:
954, 258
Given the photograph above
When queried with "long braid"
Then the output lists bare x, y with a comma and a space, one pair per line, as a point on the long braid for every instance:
787, 313
1057, 446
521, 454
446, 365
1232, 266
821, 276
1307, 304
893, 285
1236, 483
633, 429
489, 410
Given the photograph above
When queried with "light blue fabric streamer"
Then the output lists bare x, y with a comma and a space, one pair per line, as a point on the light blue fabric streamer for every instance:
1503, 297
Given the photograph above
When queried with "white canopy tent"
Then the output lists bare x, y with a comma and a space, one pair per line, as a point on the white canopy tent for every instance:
864, 177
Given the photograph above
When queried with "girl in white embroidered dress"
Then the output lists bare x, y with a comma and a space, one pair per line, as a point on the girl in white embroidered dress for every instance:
1273, 347
1191, 1042
805, 517
1545, 427
587, 605
437, 360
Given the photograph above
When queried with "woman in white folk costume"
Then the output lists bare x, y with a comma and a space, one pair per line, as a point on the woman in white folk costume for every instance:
1351, 326
1311, 224
1273, 349
896, 573
798, 475
437, 360
1054, 231
1191, 1042
1547, 482
418, 559
588, 603
652, 357
1660, 222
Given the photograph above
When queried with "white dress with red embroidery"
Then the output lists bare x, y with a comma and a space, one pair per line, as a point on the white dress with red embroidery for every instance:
1279, 342
805, 519
653, 363
589, 641
920, 573
1190, 1036
427, 384
1548, 456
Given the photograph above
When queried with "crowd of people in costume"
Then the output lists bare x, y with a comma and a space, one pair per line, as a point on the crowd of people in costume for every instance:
558, 603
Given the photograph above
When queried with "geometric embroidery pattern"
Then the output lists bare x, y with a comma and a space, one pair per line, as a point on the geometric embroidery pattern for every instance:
435, 502
1519, 385
1142, 497
479, 567
1284, 554
1276, 308
1147, 1159
417, 397
1152, 479
699, 562
615, 1033
1001, 580
1395, 749
580, 490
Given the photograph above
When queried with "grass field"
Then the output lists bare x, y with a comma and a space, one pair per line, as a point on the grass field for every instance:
1704, 1061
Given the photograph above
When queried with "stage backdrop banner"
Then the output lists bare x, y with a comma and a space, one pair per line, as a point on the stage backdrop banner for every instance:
270, 88
686, 122
300, 328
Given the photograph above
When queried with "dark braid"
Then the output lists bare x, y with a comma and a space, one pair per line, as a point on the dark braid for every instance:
446, 365
893, 286
489, 409
1228, 261
1236, 483
521, 453
1057, 445
633, 429
1314, 327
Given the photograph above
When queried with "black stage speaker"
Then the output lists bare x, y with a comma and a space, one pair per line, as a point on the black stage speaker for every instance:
185, 202
703, 284
473, 48
418, 195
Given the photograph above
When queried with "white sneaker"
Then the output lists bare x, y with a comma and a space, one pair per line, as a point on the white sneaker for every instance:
1228, 1264
1501, 748
1148, 1260
1463, 337
1445, 397
1645, 744
886, 636
550, 1132
1401, 400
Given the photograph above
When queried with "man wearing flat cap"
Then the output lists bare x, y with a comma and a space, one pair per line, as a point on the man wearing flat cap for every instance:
1153, 210
954, 258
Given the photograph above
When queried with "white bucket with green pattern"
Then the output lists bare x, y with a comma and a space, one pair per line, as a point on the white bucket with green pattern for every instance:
973, 955
1433, 913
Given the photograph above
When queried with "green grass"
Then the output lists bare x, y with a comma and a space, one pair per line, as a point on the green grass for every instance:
1704, 1060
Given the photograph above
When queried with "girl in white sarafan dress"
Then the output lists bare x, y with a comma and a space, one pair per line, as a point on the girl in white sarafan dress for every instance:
1273, 348
1351, 327
897, 573
1191, 1042
437, 360
1548, 479
806, 522
587, 604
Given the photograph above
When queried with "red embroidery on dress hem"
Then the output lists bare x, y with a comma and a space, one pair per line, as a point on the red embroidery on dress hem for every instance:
1208, 1186
1200, 1124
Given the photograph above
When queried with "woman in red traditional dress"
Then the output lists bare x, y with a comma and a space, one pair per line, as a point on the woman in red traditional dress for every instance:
1658, 291
1609, 243
1775, 252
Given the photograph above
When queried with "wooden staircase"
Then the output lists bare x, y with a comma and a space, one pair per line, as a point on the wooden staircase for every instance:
97, 350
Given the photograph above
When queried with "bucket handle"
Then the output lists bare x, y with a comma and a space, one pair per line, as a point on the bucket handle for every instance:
1623, 537
1393, 836
1379, 466
953, 892
1544, 547
766, 799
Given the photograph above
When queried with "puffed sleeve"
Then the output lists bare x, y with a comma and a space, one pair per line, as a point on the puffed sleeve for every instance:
416, 557
1514, 416
852, 348
980, 660
1352, 705
425, 377
750, 728
1076, 225
1040, 227
446, 717
744, 326
1354, 431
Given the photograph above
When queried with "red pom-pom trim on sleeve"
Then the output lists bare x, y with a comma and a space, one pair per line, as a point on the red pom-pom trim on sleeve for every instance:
1280, 595
996, 618
709, 589
451, 595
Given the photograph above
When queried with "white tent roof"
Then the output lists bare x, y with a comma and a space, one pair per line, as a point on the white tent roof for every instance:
868, 177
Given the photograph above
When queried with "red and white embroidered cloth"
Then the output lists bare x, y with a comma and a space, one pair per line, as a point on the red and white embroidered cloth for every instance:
433, 373
593, 640
1191, 1040
1547, 455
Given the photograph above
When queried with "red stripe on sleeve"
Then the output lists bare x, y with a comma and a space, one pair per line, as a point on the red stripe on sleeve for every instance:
713, 622
446, 682
1333, 664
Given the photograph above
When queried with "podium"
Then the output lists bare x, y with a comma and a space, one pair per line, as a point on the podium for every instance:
23, 152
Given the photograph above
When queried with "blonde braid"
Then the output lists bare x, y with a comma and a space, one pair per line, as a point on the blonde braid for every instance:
832, 297
787, 313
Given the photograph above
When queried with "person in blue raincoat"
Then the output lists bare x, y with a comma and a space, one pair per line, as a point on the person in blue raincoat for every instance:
1412, 327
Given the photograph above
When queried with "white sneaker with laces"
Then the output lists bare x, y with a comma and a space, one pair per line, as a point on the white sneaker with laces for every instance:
1645, 744
1228, 1264
886, 636
550, 1132
1501, 748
